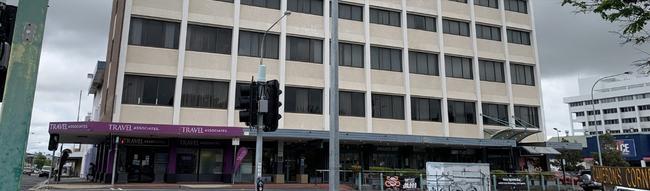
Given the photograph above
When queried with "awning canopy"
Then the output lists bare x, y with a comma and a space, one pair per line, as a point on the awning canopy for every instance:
516, 134
540, 150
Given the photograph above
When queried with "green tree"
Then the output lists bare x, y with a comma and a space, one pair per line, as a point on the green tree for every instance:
40, 160
611, 156
572, 159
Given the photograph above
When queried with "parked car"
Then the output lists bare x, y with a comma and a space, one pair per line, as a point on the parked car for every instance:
28, 170
587, 182
45, 171
567, 178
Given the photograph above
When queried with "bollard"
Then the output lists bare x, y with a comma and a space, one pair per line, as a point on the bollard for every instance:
360, 184
381, 181
494, 182
557, 183
527, 182
421, 182
541, 181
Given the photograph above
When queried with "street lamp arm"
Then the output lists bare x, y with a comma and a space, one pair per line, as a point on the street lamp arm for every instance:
267, 32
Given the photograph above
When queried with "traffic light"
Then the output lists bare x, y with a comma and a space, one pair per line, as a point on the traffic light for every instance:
7, 21
273, 115
54, 142
248, 102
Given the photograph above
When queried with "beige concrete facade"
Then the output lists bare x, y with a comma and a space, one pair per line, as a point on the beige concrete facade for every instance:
224, 67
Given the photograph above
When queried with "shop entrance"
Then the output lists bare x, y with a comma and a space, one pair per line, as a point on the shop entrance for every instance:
140, 165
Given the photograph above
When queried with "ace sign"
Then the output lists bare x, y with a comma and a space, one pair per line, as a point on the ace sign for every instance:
627, 147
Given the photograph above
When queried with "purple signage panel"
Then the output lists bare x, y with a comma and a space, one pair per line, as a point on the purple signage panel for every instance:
241, 154
100, 128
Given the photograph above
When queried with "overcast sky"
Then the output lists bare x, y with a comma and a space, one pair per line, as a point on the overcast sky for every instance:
570, 45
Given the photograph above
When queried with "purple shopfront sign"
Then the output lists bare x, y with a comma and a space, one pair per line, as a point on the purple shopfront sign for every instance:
104, 128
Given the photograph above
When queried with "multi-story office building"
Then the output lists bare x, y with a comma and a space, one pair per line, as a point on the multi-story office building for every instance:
420, 80
622, 105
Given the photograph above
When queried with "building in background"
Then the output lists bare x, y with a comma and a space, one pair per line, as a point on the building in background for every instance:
420, 80
622, 106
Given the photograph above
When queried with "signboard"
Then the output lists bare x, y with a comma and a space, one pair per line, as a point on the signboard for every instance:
197, 142
241, 154
131, 129
142, 141
458, 176
511, 183
401, 183
235, 141
632, 177
627, 147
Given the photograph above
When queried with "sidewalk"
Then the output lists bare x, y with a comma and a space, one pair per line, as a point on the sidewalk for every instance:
80, 184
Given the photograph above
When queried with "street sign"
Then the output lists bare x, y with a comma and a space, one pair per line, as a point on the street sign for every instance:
235, 141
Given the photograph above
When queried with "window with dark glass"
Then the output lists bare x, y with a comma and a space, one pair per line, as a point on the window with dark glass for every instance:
421, 22
627, 109
423, 63
597, 112
303, 100
518, 37
145, 90
425, 109
387, 106
522, 74
461, 112
458, 67
304, 49
250, 42
576, 104
488, 32
154, 33
580, 114
520, 6
491, 71
625, 98
204, 94
314, 7
385, 17
227, 1
611, 110
386, 59
455, 27
487, 3
628, 120
527, 116
350, 12
611, 121
460, 1
495, 114
272, 4
209, 39
645, 119
644, 107
352, 104
351, 55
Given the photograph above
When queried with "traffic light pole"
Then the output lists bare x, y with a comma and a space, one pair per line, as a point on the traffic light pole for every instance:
334, 100
19, 92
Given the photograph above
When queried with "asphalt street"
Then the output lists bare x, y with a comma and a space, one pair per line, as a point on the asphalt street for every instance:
30, 181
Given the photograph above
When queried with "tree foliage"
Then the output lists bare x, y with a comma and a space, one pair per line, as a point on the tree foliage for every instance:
611, 156
40, 160
572, 159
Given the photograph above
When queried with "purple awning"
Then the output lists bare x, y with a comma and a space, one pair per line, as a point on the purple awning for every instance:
129, 129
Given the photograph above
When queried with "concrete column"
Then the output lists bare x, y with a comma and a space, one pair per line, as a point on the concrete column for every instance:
279, 167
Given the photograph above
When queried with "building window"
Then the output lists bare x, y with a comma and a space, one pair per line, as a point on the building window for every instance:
584, 124
608, 100
614, 131
227, 1
576, 104
592, 123
644, 107
387, 106
580, 114
153, 33
522, 74
304, 50
527, 116
461, 112
271, 4
488, 32
145, 90
458, 67
611, 121
352, 104
610, 110
495, 114
209, 39
520, 6
645, 119
625, 98
249, 44
386, 59
304, 100
453, 27
385, 17
628, 120
487, 3
314, 7
588, 102
350, 12
351, 55
643, 96
627, 109
518, 37
460, 1
425, 109
491, 71
592, 112
204, 94
421, 22
423, 63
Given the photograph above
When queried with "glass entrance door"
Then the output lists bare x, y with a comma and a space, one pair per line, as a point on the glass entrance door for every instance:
140, 165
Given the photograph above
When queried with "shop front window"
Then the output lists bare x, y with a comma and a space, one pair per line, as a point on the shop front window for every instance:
186, 161
211, 161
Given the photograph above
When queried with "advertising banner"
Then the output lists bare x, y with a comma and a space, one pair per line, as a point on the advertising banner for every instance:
132, 129
401, 183
241, 154
631, 177
458, 176
511, 183
627, 147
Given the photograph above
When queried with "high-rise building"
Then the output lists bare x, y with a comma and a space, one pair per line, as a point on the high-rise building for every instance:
420, 80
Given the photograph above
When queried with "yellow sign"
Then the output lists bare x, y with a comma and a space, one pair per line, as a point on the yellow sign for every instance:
632, 177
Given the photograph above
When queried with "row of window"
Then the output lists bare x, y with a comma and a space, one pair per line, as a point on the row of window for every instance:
614, 110
610, 100
145, 90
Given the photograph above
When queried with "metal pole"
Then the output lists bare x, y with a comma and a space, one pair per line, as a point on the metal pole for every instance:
49, 175
593, 109
334, 99
234, 160
19, 91
117, 139
79, 105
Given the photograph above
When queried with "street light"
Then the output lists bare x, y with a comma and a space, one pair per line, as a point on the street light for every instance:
593, 110
558, 134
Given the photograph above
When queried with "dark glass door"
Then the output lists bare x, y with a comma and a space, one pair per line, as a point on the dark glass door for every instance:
140, 165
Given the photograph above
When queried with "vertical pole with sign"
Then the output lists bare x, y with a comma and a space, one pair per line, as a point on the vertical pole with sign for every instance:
235, 142
117, 145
